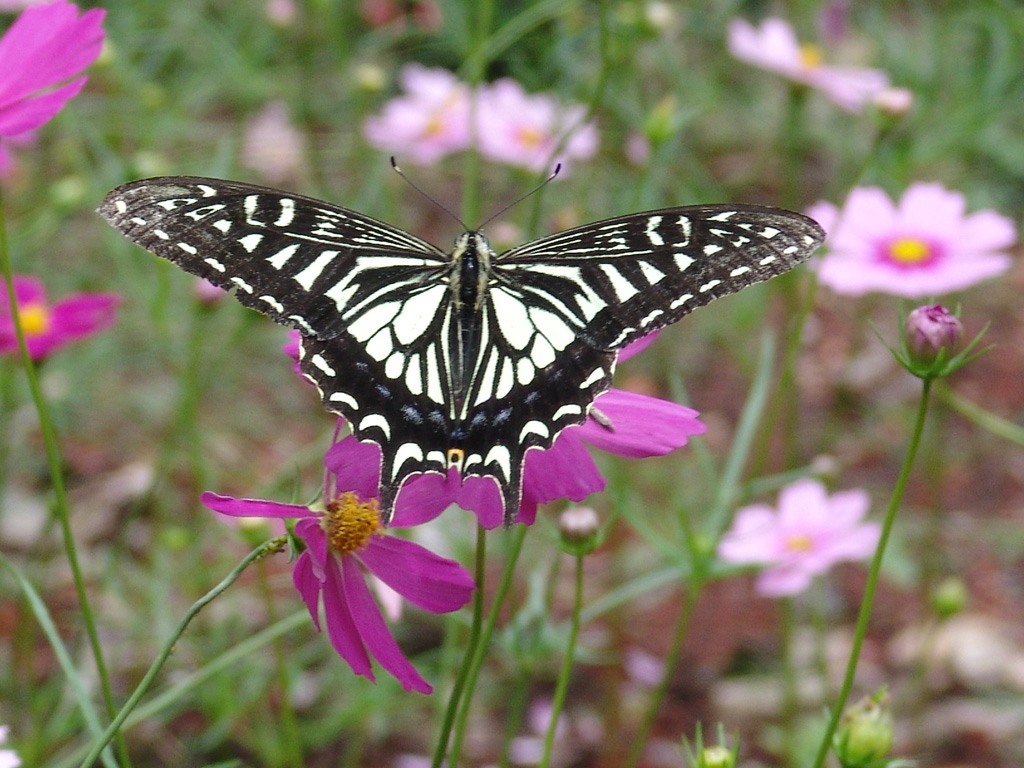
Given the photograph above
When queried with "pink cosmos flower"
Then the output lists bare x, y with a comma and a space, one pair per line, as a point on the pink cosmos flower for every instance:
272, 144
18, 140
921, 246
775, 47
808, 534
525, 130
428, 121
46, 45
48, 327
341, 542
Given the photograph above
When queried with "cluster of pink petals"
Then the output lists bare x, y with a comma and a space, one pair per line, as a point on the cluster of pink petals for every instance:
924, 245
808, 534
432, 119
46, 45
428, 121
355, 626
272, 144
774, 46
47, 326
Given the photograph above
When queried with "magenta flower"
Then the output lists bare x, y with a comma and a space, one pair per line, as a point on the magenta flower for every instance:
922, 246
775, 47
808, 534
341, 542
46, 45
428, 121
48, 327
525, 130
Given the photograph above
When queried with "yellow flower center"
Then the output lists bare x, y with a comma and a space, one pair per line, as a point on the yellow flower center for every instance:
799, 543
529, 137
810, 56
909, 250
435, 126
349, 523
35, 319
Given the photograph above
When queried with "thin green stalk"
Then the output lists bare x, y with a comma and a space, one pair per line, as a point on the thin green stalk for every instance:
693, 594
997, 425
790, 702
474, 639
61, 507
702, 547
289, 732
49, 628
484, 641
562, 685
873, 575
270, 547
477, 64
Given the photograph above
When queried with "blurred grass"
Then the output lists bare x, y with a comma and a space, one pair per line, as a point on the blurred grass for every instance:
202, 397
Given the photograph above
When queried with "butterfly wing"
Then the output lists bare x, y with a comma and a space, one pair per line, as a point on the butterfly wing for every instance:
560, 307
369, 300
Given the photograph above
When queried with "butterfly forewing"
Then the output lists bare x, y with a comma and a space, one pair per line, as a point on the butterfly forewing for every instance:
394, 345
619, 279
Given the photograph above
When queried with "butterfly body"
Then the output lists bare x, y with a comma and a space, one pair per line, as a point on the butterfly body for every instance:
468, 359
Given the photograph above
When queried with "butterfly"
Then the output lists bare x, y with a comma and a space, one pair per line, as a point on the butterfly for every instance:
467, 359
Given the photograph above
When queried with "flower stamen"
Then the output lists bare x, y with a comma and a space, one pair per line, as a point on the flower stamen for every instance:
35, 319
910, 251
810, 56
799, 543
349, 523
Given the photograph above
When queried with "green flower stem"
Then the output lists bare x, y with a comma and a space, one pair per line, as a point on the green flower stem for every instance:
268, 548
289, 723
476, 66
60, 651
476, 654
471, 645
873, 574
790, 697
563, 675
693, 593
61, 507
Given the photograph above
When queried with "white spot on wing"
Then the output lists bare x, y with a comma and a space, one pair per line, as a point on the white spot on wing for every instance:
280, 258
513, 320
250, 242
319, 362
652, 233
709, 285
287, 214
682, 260
534, 428
739, 271
417, 314
308, 276
624, 290
215, 264
377, 420
188, 248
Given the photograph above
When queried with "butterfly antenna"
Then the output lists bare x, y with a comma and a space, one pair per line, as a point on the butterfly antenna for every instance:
409, 181
520, 199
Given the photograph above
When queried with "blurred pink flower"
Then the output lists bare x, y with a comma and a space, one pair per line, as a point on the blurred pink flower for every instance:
775, 47
48, 327
808, 534
525, 130
643, 426
8, 161
922, 246
341, 542
46, 45
272, 145
428, 121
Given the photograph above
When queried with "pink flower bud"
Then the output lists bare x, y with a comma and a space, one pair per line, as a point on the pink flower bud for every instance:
930, 329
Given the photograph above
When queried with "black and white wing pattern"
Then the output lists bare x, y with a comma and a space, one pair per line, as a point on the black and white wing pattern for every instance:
467, 359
